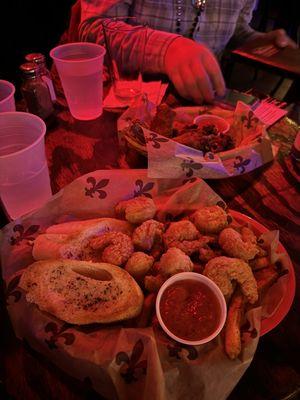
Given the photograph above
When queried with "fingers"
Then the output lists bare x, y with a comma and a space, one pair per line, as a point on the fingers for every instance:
281, 39
214, 72
193, 82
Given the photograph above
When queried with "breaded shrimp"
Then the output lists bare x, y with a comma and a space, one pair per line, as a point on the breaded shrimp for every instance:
136, 210
174, 261
211, 219
147, 234
224, 271
235, 245
179, 231
116, 247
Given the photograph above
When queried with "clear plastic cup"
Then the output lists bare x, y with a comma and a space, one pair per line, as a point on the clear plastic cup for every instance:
7, 99
24, 175
80, 67
126, 78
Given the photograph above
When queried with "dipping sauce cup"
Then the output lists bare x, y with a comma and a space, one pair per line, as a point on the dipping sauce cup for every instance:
207, 119
191, 308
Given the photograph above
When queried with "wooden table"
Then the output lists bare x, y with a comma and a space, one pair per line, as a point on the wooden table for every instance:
270, 195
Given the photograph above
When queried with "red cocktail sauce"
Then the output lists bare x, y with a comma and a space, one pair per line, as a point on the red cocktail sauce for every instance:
190, 310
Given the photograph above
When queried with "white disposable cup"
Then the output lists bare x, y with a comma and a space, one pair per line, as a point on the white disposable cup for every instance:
127, 80
7, 99
24, 175
203, 279
80, 67
208, 119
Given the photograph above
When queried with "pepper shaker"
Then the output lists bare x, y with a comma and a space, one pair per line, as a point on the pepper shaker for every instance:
35, 91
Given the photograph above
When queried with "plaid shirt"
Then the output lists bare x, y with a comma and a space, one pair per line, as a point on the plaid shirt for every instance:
221, 22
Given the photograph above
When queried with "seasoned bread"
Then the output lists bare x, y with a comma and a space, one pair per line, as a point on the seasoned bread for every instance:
81, 292
70, 239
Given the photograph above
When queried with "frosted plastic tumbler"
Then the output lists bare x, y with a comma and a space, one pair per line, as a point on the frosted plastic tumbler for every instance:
80, 67
24, 175
7, 100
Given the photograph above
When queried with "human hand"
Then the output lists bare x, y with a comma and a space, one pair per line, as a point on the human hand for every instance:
280, 38
194, 71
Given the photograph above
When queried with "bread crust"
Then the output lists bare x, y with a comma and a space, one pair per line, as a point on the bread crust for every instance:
82, 292
71, 237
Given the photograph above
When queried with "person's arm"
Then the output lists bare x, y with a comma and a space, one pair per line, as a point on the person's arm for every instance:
190, 66
245, 34
126, 47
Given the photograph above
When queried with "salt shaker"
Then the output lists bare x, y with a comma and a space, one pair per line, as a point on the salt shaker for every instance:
35, 91
40, 60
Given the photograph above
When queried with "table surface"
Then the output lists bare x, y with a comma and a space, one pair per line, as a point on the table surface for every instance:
270, 195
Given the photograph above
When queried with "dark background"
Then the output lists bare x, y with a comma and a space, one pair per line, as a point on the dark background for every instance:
28, 26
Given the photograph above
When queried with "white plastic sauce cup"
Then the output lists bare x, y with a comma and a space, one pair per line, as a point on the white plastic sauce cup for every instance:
183, 276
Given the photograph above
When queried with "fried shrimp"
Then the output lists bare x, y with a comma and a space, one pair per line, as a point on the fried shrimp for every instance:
224, 271
210, 219
174, 261
185, 236
139, 264
147, 234
241, 245
116, 247
136, 210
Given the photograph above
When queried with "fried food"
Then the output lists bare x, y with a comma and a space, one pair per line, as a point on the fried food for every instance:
211, 219
224, 271
71, 239
144, 319
154, 283
162, 122
136, 210
205, 139
237, 244
139, 264
148, 234
179, 231
266, 278
174, 261
82, 292
233, 342
116, 247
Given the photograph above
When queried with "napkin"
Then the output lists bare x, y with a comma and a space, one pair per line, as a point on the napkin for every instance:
155, 91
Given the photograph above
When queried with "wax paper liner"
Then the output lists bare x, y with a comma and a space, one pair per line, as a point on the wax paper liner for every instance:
120, 361
169, 159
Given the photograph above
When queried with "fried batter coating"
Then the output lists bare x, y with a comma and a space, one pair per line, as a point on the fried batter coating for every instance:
154, 283
211, 219
179, 231
175, 261
147, 234
206, 253
117, 247
224, 270
139, 264
233, 342
136, 210
233, 243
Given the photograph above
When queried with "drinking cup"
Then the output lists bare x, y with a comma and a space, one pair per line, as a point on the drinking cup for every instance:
7, 100
80, 67
24, 175
126, 76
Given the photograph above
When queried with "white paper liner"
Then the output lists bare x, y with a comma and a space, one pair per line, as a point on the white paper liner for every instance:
121, 362
169, 159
